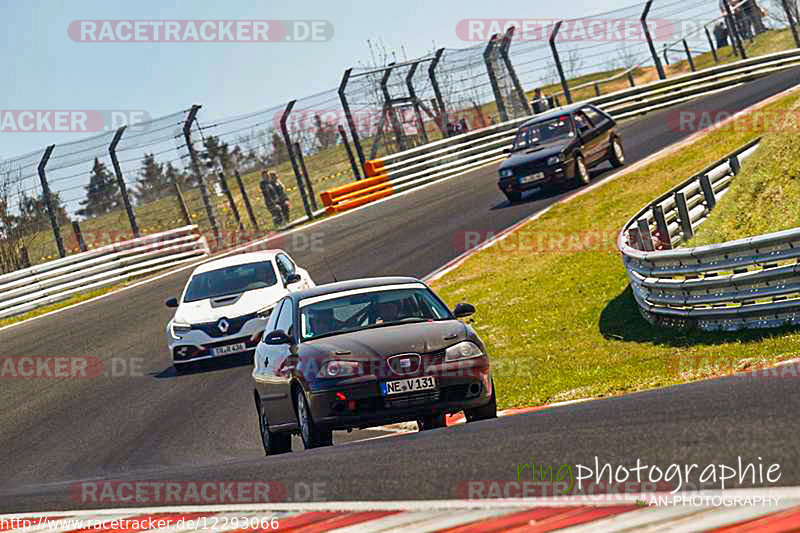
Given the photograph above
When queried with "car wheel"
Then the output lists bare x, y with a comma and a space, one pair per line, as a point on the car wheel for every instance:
581, 171
424, 423
484, 412
513, 196
274, 443
617, 153
313, 436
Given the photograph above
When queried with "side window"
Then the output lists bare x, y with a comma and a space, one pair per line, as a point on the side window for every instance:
285, 317
596, 118
582, 121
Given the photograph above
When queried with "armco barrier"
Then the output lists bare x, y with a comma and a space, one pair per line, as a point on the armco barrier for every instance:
747, 283
447, 157
30, 288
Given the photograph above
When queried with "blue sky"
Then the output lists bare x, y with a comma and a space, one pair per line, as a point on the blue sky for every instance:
45, 69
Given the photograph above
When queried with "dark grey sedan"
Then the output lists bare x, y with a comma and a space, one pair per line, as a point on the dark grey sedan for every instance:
361, 353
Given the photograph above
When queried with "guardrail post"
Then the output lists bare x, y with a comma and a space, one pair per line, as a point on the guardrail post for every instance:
349, 151
734, 29
310, 189
596, 89
689, 55
631, 80
246, 199
683, 216
437, 92
412, 93
504, 47
662, 228
792, 22
661, 74
349, 116
557, 60
126, 201
711, 44
288, 141
182, 203
199, 175
498, 96
736, 166
388, 106
76, 229
48, 200
644, 235
708, 192
229, 195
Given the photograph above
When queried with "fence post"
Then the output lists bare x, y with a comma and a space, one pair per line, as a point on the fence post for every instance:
596, 89
48, 200
112, 151
76, 229
559, 68
310, 189
666, 54
711, 44
661, 74
504, 47
182, 204
198, 174
661, 226
437, 91
388, 107
288, 142
689, 55
498, 96
792, 22
349, 151
229, 195
683, 216
24, 257
631, 80
247, 205
349, 116
734, 30
412, 93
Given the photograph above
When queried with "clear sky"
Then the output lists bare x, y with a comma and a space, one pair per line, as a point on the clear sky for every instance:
44, 69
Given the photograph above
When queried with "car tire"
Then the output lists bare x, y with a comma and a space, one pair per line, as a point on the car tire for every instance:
428, 422
617, 157
581, 172
274, 443
484, 412
513, 196
313, 435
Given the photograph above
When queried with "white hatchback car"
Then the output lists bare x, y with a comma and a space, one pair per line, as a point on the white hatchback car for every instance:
226, 303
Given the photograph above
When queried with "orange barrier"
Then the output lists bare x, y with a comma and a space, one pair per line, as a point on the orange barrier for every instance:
374, 167
356, 194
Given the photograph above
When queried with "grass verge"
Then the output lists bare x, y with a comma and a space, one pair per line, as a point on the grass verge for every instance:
77, 298
556, 312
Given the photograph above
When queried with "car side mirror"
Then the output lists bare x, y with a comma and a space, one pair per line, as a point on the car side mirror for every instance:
464, 310
277, 337
172, 302
292, 278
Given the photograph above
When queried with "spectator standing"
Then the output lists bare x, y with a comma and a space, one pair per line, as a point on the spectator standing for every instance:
282, 197
539, 103
721, 35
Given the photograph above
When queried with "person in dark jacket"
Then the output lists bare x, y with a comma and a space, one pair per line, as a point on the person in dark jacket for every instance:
272, 199
721, 35
283, 198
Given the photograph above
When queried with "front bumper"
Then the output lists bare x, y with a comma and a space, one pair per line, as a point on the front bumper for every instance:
198, 345
364, 406
557, 174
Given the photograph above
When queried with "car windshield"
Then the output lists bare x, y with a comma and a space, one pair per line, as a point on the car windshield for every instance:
369, 309
230, 280
541, 132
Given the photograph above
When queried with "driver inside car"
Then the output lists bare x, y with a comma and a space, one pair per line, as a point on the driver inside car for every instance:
322, 321
388, 311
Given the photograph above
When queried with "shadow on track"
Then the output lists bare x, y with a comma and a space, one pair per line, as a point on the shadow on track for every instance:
621, 320
204, 366
552, 191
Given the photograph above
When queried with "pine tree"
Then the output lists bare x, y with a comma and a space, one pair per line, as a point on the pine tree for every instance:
101, 193
153, 182
33, 214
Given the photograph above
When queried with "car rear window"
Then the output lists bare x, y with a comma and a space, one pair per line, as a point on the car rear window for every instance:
230, 280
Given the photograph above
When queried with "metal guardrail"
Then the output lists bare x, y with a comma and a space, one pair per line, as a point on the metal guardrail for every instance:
746, 283
448, 157
30, 288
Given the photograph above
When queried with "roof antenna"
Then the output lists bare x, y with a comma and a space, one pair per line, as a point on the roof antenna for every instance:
330, 270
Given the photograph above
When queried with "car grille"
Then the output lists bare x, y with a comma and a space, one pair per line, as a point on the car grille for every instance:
413, 399
236, 324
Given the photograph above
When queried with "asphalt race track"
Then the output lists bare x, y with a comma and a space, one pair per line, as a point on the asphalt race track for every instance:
202, 426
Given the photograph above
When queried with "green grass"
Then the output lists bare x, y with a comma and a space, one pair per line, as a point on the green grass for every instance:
77, 298
560, 321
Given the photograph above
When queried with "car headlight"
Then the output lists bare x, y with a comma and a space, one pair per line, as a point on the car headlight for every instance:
338, 369
176, 329
462, 350
556, 159
506, 173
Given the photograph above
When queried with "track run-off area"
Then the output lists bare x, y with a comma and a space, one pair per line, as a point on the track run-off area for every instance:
146, 423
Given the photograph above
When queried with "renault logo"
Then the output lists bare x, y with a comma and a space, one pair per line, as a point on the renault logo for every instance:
223, 325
